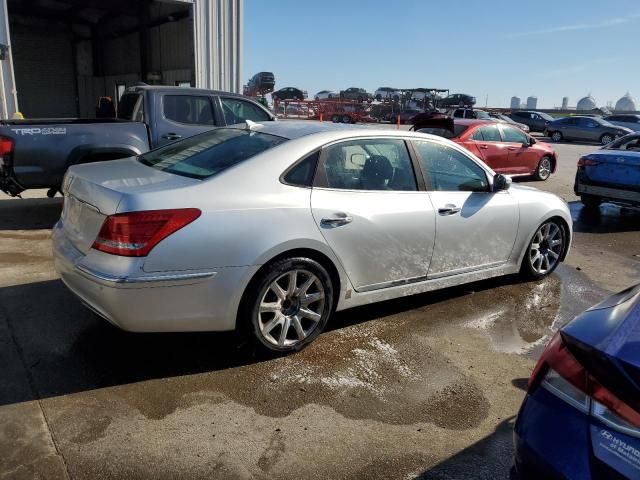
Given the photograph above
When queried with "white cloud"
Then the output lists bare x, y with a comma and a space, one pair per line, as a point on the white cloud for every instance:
612, 22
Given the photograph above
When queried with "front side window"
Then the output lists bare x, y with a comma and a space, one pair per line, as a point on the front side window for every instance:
188, 109
628, 142
450, 170
209, 153
368, 164
237, 111
514, 135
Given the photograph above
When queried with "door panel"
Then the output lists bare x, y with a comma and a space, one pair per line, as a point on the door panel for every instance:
480, 235
385, 236
521, 160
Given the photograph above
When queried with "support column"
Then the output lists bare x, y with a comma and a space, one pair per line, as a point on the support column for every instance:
8, 92
218, 31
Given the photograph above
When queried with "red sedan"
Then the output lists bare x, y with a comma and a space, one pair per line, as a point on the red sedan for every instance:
505, 148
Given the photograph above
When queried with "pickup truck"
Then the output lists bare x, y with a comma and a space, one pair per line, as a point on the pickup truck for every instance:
37, 153
611, 174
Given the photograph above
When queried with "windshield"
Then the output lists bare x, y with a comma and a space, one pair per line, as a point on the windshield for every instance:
604, 122
210, 153
629, 142
546, 116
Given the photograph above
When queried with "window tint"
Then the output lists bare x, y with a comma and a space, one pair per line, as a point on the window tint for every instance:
237, 111
210, 153
449, 169
368, 164
302, 174
127, 105
188, 109
514, 135
488, 133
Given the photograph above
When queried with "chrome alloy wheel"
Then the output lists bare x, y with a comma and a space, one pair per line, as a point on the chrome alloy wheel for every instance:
544, 168
291, 308
546, 248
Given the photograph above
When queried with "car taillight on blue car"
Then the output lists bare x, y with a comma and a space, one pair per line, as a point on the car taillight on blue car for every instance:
561, 374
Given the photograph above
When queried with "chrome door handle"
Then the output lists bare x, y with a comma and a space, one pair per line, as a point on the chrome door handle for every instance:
448, 210
171, 136
337, 221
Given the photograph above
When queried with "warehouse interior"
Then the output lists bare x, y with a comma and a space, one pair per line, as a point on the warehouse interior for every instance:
68, 53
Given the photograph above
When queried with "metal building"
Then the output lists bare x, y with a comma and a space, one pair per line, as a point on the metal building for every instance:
515, 103
565, 103
532, 103
626, 104
57, 57
586, 103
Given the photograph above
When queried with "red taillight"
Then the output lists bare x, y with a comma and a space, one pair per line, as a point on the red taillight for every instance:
6, 146
134, 234
558, 357
583, 162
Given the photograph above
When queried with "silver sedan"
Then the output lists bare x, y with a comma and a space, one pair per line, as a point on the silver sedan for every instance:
270, 228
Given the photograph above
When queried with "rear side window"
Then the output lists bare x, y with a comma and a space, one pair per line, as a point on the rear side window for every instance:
237, 111
301, 175
188, 109
210, 153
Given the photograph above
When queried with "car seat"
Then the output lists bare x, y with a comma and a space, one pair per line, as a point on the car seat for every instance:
376, 173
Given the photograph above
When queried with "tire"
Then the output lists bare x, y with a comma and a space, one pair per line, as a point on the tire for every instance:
543, 170
330, 96
346, 119
335, 118
556, 137
279, 318
317, 98
607, 138
379, 97
543, 255
591, 202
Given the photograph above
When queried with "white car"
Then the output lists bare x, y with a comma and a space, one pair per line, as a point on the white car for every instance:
270, 228
387, 93
327, 95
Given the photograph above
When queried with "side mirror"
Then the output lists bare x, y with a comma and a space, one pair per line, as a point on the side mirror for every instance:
532, 141
501, 182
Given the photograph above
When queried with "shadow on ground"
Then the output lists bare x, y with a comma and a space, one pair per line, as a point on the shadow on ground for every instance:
29, 213
488, 459
605, 219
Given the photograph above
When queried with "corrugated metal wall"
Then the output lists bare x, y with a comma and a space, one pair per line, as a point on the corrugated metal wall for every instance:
45, 79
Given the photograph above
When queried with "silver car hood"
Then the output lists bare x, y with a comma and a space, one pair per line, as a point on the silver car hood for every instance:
104, 184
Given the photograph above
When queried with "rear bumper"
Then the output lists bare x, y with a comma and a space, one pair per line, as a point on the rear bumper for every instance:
151, 302
612, 194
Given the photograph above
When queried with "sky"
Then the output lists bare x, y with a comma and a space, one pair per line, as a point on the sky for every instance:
491, 49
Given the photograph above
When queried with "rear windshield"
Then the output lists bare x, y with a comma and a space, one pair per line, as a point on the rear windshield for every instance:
443, 132
209, 153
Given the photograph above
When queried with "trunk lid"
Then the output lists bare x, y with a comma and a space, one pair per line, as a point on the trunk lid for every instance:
614, 167
94, 191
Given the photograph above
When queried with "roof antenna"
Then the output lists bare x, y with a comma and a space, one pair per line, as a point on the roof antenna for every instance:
251, 125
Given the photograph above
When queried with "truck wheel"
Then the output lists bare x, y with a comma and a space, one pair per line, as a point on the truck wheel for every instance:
335, 118
591, 202
346, 119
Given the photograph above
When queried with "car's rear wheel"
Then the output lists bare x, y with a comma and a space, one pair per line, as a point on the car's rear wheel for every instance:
556, 136
544, 250
590, 201
346, 119
288, 305
543, 171
606, 139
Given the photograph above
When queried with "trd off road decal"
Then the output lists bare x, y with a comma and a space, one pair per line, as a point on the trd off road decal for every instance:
40, 131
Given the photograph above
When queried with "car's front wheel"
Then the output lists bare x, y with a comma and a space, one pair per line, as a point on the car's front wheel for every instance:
288, 305
544, 250
543, 171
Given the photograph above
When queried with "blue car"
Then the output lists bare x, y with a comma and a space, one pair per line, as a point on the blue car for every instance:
581, 416
611, 174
